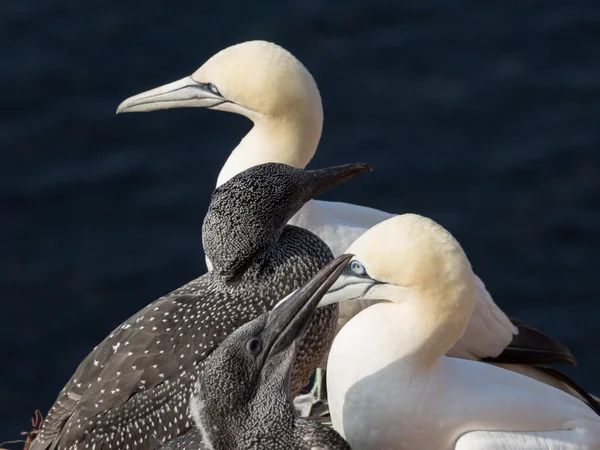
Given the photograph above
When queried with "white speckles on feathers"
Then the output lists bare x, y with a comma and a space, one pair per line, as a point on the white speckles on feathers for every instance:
128, 400
259, 260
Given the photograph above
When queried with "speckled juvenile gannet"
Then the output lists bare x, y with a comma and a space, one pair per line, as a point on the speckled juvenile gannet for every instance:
268, 85
390, 385
242, 399
136, 384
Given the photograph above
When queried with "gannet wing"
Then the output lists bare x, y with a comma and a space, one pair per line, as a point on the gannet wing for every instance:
127, 368
190, 440
592, 401
134, 373
495, 408
338, 224
531, 346
525, 440
492, 336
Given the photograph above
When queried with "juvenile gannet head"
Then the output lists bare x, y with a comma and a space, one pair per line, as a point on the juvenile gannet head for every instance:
412, 261
259, 80
247, 214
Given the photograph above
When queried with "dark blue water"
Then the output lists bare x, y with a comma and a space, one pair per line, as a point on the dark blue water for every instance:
482, 115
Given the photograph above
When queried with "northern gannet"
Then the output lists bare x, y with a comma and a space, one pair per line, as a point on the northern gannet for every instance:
267, 84
242, 399
136, 384
390, 385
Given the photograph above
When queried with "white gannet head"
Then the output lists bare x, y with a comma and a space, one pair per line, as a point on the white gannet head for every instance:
259, 80
414, 262
255, 78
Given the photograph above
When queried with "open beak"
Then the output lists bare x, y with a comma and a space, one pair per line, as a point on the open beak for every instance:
288, 320
185, 93
348, 286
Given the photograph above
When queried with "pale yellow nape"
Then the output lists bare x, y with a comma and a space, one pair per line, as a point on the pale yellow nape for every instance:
267, 84
426, 272
410, 250
263, 77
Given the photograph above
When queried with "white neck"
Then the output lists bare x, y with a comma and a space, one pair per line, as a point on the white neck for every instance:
287, 140
413, 329
372, 338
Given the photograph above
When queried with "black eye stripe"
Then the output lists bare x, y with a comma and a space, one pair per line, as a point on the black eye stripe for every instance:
211, 87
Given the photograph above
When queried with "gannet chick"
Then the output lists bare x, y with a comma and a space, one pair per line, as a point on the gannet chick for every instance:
267, 84
136, 384
242, 397
389, 382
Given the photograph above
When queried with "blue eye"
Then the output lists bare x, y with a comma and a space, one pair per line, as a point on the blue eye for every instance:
358, 268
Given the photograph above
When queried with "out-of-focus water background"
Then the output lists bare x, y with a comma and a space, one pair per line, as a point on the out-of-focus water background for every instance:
483, 115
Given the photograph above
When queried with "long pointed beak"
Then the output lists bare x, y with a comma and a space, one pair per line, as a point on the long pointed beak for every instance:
324, 179
184, 93
288, 320
348, 286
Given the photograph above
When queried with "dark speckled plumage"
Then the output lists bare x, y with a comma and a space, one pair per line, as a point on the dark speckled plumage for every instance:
191, 440
242, 398
137, 382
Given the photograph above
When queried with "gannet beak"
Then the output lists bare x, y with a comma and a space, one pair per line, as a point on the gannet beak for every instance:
324, 179
348, 286
290, 316
185, 93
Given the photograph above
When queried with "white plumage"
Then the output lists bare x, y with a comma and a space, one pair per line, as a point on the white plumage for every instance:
268, 85
390, 385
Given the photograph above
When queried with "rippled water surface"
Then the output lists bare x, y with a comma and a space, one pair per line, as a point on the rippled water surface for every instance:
482, 115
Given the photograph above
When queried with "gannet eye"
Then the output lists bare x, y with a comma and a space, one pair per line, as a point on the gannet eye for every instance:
358, 268
213, 88
254, 346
